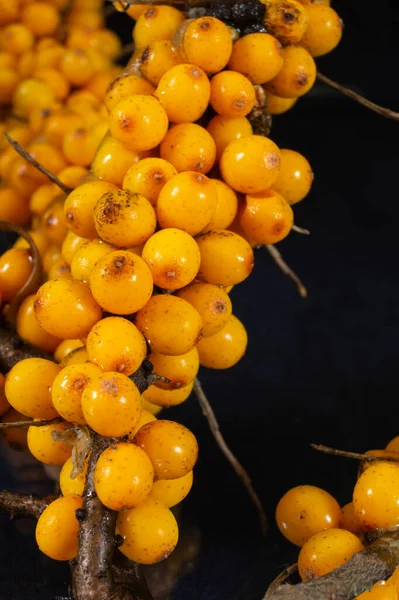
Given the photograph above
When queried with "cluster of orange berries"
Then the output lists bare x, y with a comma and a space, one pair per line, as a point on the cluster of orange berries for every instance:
328, 535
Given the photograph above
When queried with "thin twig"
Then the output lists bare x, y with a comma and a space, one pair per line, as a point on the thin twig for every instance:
385, 112
22, 424
276, 255
237, 466
23, 505
300, 230
28, 157
280, 579
354, 455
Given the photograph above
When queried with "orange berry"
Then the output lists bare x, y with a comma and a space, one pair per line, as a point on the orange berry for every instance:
145, 417
105, 41
162, 315
172, 491
156, 23
79, 207
29, 329
189, 147
41, 18
76, 357
9, 80
393, 445
67, 390
181, 370
258, 56
251, 164
44, 448
184, 92
14, 206
147, 406
324, 31
349, 519
79, 146
59, 270
57, 529
77, 67
227, 129
112, 160
101, 81
71, 245
65, 348
15, 268
378, 487
158, 397
156, 59
287, 20
54, 222
232, 94
49, 57
32, 94
72, 484
148, 176
16, 38
295, 178
226, 207
86, 257
297, 75
225, 348
266, 218
42, 197
73, 176
48, 156
212, 303
226, 258
383, 590
8, 12
139, 122
207, 44
58, 124
127, 84
27, 63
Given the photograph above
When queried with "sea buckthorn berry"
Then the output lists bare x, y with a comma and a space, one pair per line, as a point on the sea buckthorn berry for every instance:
258, 56
172, 491
73, 176
121, 282
78, 356
297, 75
326, 551
112, 160
324, 31
126, 85
41, 18
65, 348
393, 445
4, 404
16, 438
16, 38
349, 519
251, 164
232, 94
187, 201
65, 308
79, 206
49, 57
152, 408
58, 124
212, 303
59, 269
162, 315
156, 23
207, 44
156, 59
383, 590
173, 257
38, 237
42, 197
149, 532
184, 92
287, 20
86, 257
105, 41
148, 176
29, 329
111, 404
54, 222
9, 80
67, 390
43, 447
79, 146
226, 207
72, 485
15, 268
171, 447
77, 67
57, 529
304, 511
377, 487
30, 94
266, 217
124, 219
71, 245
295, 178
225, 348
383, 454
123, 476
227, 129
145, 417
115, 344
48, 156
276, 105
189, 147
8, 12
226, 258
181, 370
56, 81
139, 122
157, 397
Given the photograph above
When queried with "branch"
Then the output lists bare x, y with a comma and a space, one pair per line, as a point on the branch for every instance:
22, 505
300, 230
13, 349
380, 110
280, 579
237, 466
355, 455
28, 157
22, 424
276, 255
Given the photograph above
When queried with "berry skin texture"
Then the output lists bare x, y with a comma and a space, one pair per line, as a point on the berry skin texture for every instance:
115, 344
158, 397
123, 476
376, 498
172, 491
164, 314
324, 31
207, 44
112, 160
124, 219
224, 349
79, 207
126, 85
66, 308
72, 486
232, 94
187, 202
156, 23
76, 357
67, 390
266, 218
226, 207
287, 20
304, 511
29, 329
65, 348
277, 105
212, 303
326, 551
111, 404
121, 282
148, 176
44, 448
57, 528
28, 387
139, 122
181, 370
226, 258
77, 67
70, 246
349, 519
145, 417
149, 531
86, 257
173, 257
227, 129
258, 56
189, 147
15, 268
171, 447
297, 75
383, 590
295, 178
156, 59
251, 164
184, 92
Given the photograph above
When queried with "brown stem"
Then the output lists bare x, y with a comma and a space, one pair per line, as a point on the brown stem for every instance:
354, 455
22, 505
280, 579
22, 424
300, 230
385, 112
28, 157
276, 255
207, 411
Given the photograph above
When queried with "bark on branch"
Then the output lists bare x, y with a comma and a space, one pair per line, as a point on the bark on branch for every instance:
23, 505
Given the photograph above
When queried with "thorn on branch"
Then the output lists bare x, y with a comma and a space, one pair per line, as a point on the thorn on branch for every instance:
23, 424
300, 230
221, 442
276, 255
354, 455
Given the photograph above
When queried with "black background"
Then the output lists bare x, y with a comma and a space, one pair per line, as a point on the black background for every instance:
322, 370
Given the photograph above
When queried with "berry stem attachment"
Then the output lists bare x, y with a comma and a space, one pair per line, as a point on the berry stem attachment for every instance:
380, 110
23, 505
300, 230
276, 255
280, 579
354, 455
23, 424
28, 157
209, 414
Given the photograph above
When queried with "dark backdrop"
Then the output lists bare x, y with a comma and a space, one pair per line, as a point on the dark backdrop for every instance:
322, 370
